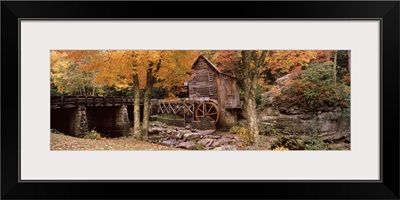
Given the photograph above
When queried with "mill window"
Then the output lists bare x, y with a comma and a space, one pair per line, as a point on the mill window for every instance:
211, 90
210, 77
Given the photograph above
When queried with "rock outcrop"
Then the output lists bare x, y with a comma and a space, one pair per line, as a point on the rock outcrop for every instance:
328, 124
191, 139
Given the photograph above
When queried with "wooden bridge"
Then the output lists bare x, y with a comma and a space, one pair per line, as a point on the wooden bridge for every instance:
76, 115
90, 101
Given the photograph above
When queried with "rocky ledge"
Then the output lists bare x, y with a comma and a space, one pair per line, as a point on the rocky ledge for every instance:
192, 139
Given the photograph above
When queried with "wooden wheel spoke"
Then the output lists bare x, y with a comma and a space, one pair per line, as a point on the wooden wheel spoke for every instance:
211, 107
207, 109
201, 110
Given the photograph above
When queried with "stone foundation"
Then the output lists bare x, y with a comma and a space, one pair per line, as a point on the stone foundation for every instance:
71, 121
204, 124
110, 121
228, 118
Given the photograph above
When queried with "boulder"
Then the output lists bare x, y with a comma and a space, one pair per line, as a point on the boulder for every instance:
178, 135
225, 148
308, 123
207, 142
213, 136
192, 136
186, 145
205, 132
169, 142
268, 142
204, 124
154, 130
226, 139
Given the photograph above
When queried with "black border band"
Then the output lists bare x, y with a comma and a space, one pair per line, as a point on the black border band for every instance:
388, 11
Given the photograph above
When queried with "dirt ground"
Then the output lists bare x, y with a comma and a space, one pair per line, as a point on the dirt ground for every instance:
64, 142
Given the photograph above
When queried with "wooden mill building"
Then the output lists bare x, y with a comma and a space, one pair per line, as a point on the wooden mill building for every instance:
209, 81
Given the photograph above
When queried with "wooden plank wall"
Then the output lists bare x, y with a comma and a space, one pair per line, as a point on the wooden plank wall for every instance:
201, 81
225, 88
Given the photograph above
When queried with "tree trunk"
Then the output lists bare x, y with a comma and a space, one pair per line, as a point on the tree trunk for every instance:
250, 77
252, 114
136, 107
334, 67
146, 103
84, 90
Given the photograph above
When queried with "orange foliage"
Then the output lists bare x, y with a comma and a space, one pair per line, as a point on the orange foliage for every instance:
116, 67
289, 60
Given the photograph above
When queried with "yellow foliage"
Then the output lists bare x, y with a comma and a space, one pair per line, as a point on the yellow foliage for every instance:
93, 135
280, 149
244, 134
116, 67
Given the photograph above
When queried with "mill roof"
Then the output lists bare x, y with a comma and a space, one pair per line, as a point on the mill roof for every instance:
213, 66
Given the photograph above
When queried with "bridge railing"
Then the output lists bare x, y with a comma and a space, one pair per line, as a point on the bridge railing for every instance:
75, 101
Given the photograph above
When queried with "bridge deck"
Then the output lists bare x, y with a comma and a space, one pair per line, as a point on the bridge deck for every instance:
90, 101
97, 101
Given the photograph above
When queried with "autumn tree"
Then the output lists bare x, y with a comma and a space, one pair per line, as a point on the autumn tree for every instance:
250, 66
67, 78
167, 69
137, 69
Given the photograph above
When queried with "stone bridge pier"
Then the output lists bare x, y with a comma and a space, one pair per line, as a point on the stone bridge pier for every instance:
111, 121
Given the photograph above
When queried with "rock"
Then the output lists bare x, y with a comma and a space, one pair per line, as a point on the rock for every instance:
225, 148
170, 142
206, 142
340, 146
282, 81
178, 135
192, 136
216, 143
269, 142
186, 145
212, 136
206, 132
193, 130
222, 141
185, 132
154, 130
204, 124
188, 127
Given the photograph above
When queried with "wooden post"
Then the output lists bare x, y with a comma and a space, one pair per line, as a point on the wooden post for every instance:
86, 103
62, 102
77, 101
104, 101
113, 102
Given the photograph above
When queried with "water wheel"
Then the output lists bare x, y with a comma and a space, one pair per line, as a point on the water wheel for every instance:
207, 109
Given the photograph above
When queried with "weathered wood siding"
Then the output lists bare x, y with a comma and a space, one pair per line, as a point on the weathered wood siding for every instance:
228, 91
204, 83
208, 82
